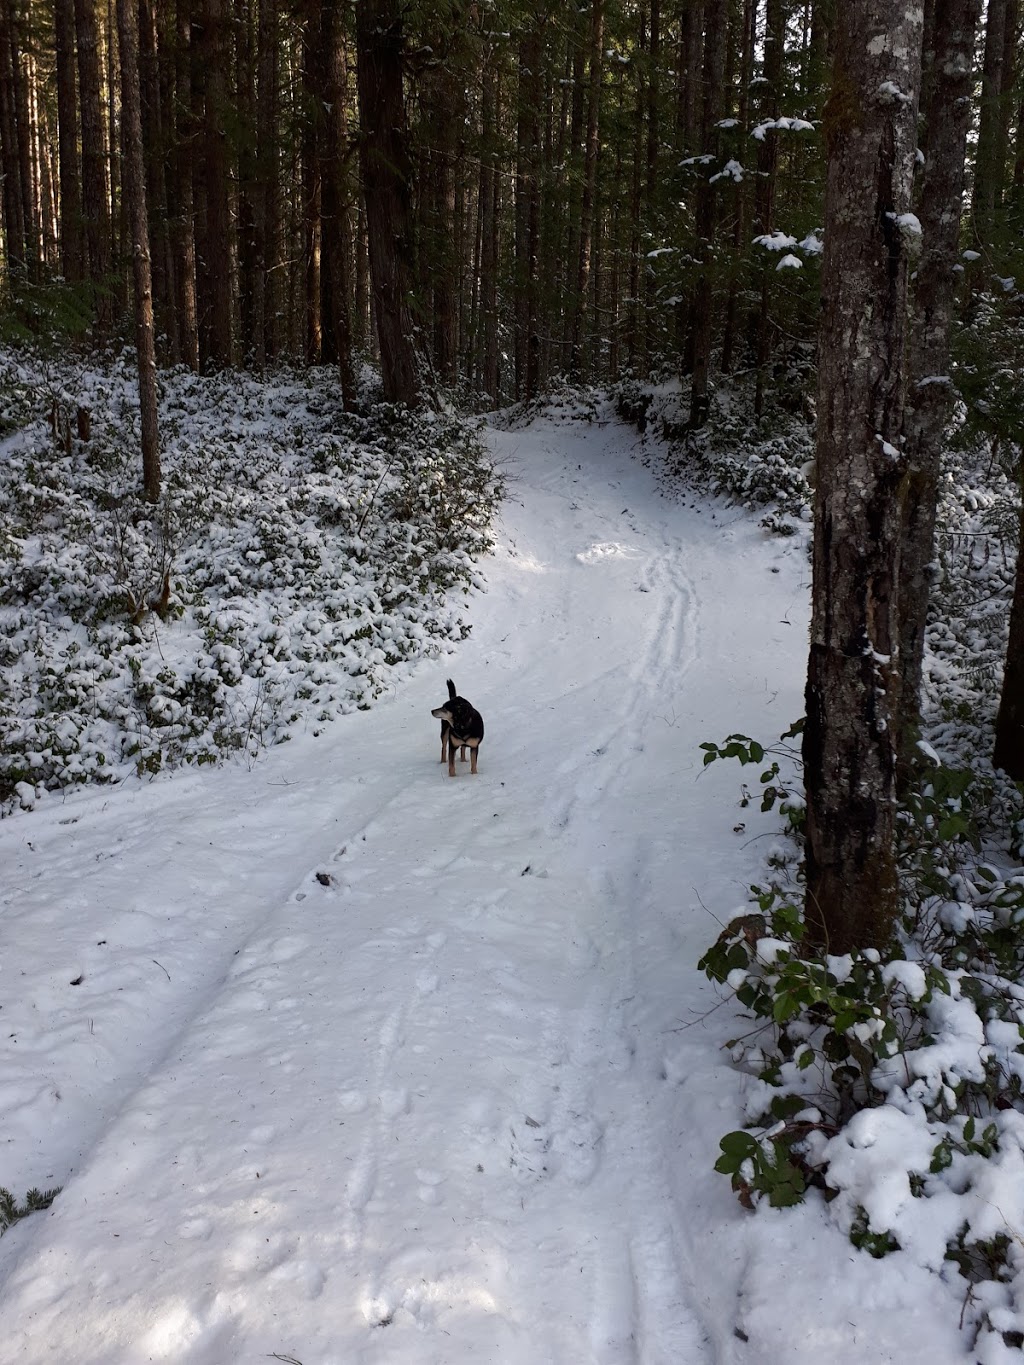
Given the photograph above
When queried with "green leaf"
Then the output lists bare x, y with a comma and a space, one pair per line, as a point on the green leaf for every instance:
785, 1007
952, 827
739, 1143
942, 1157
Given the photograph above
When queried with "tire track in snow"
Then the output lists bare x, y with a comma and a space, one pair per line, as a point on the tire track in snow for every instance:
465, 1188
639, 1311
671, 647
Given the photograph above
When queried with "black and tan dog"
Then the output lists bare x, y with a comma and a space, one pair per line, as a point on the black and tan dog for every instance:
462, 727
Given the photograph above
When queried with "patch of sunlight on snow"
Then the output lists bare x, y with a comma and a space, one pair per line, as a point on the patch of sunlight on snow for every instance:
177, 1330
425, 1297
608, 549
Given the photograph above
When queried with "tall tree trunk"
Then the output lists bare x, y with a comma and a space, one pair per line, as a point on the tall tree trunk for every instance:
589, 184
443, 96
248, 183
764, 195
946, 115
702, 312
988, 168
154, 143
14, 203
569, 157
314, 81
29, 182
637, 322
849, 740
690, 75
335, 210
527, 210
95, 213
119, 206
135, 189
1009, 747
182, 224
490, 219
215, 54
741, 232
67, 141
267, 199
653, 169
44, 162
380, 43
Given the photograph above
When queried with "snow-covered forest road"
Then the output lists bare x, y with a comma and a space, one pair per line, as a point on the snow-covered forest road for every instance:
339, 1060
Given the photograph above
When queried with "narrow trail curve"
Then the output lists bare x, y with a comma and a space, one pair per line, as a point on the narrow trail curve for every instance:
436, 1106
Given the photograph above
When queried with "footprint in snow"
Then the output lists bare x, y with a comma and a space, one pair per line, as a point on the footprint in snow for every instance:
394, 1102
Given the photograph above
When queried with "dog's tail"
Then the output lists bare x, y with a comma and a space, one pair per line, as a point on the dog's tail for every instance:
451, 690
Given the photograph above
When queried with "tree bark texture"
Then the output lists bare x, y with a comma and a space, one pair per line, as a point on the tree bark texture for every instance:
764, 195
490, 245
314, 84
702, 306
988, 170
217, 236
589, 186
154, 143
267, 198
946, 115
527, 211
337, 244
14, 204
95, 212
1009, 746
67, 143
135, 189
849, 749
380, 42
29, 180
182, 225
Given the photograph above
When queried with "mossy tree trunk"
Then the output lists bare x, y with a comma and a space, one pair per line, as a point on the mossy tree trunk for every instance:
849, 742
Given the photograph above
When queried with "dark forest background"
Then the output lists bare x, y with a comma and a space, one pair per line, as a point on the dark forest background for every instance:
588, 191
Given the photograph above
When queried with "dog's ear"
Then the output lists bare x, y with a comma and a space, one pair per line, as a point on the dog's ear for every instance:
451, 690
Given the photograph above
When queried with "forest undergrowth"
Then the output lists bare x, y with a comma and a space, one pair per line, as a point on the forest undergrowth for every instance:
889, 1086
299, 558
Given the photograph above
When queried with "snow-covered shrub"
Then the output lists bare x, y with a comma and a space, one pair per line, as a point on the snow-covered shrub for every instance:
12, 1212
893, 1083
561, 401
297, 556
755, 464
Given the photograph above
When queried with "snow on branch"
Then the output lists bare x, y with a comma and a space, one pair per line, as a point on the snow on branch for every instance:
733, 169
775, 241
783, 124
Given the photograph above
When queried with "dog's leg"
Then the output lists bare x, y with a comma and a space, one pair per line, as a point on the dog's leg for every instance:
462, 755
472, 754
444, 740
451, 758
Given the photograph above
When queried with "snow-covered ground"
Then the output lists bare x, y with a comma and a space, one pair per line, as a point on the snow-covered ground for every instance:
338, 1060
